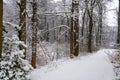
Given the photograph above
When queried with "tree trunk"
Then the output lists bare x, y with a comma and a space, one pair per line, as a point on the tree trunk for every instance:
90, 35
74, 32
83, 23
71, 33
1, 25
34, 36
82, 30
22, 32
100, 25
118, 35
99, 31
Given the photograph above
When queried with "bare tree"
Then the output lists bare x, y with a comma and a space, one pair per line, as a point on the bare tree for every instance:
34, 35
89, 7
1, 25
101, 8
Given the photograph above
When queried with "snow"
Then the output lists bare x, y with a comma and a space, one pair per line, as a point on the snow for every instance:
111, 15
57, 0
14, 25
95, 66
7, 1
12, 64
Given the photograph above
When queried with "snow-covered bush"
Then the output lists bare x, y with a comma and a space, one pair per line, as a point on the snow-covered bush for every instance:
47, 52
12, 64
115, 59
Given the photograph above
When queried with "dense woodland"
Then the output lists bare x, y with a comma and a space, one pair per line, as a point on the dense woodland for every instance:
37, 32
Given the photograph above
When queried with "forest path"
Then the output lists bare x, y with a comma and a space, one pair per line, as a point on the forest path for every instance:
95, 66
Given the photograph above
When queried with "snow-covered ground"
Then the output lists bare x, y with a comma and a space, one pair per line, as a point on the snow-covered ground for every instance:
95, 66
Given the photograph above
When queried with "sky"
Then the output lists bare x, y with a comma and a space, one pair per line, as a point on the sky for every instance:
57, 0
111, 15
7, 1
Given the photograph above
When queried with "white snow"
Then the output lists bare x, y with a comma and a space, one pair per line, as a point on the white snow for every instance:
95, 66
7, 1
57, 0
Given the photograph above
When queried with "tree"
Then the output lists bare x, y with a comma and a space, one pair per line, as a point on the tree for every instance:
100, 22
74, 31
22, 32
1, 25
14, 67
118, 36
89, 9
34, 35
83, 30
90, 5
101, 8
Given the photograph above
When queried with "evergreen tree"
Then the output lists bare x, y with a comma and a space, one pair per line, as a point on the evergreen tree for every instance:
12, 64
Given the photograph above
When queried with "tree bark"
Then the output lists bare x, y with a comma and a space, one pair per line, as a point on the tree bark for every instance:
34, 36
1, 25
71, 38
82, 30
99, 31
90, 35
22, 32
118, 35
89, 8
74, 31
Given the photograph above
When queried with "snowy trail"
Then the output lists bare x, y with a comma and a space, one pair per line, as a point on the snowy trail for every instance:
91, 67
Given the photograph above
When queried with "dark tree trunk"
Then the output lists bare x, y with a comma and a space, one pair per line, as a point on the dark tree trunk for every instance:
100, 25
34, 36
71, 33
47, 34
74, 32
22, 32
90, 35
1, 25
89, 8
118, 36
76, 43
54, 29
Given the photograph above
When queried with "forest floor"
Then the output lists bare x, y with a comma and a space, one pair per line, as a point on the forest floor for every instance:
96, 66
